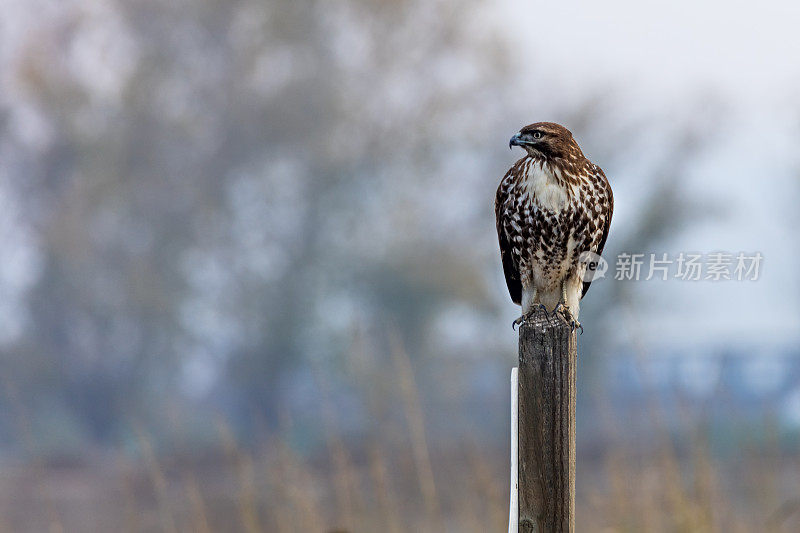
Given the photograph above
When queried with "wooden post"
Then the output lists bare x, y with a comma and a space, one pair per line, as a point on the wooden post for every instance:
546, 445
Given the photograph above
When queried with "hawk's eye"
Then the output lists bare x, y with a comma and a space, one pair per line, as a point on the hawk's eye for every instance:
537, 134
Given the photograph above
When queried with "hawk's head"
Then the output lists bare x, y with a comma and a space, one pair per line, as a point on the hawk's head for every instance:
547, 139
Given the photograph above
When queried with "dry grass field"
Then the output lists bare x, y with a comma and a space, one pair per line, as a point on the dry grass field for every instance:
395, 480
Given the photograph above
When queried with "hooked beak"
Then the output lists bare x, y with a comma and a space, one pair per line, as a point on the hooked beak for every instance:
515, 141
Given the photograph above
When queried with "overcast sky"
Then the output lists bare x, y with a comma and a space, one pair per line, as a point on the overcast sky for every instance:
744, 50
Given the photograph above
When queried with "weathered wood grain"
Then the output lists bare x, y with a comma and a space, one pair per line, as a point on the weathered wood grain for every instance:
547, 376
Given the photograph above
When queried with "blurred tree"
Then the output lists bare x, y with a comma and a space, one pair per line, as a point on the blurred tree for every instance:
209, 183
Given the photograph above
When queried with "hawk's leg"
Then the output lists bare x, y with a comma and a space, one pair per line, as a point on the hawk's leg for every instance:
540, 307
529, 307
564, 308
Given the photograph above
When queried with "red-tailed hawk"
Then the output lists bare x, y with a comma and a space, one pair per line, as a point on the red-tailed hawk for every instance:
552, 206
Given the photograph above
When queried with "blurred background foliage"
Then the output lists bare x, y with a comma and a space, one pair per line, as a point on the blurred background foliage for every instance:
251, 244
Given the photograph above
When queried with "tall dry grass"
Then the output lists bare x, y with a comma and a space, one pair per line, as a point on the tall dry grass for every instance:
395, 479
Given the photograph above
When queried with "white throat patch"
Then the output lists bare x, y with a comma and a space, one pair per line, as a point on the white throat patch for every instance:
543, 188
